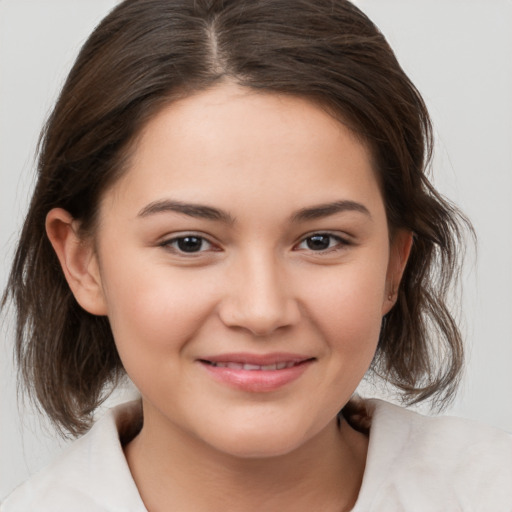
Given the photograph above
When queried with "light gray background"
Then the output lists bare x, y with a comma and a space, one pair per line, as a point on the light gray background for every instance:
459, 54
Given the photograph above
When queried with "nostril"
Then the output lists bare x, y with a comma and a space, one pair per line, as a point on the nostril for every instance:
259, 321
258, 300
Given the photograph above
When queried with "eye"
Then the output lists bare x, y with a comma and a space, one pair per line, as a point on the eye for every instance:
188, 244
321, 242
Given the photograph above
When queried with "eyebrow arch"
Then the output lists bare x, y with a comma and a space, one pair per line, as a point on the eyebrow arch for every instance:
192, 210
327, 209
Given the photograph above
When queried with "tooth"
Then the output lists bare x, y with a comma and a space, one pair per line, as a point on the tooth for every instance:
235, 366
251, 367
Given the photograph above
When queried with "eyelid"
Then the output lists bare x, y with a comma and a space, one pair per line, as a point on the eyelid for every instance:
167, 242
343, 241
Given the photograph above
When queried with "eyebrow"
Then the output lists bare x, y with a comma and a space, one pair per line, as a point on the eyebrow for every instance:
210, 213
327, 209
192, 210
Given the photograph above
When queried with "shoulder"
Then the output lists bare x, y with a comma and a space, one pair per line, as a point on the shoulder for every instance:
436, 463
91, 475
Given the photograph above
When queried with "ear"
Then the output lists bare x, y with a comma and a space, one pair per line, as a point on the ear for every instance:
400, 249
77, 259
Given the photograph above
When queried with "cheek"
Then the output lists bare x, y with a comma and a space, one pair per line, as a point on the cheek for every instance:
347, 307
156, 311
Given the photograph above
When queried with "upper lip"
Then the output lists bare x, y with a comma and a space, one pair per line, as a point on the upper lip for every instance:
257, 359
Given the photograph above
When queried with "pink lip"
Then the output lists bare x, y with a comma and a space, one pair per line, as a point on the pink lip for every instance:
256, 380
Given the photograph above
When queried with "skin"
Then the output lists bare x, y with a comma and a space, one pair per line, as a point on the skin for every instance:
256, 284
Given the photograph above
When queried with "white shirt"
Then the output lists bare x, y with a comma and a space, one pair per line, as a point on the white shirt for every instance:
414, 464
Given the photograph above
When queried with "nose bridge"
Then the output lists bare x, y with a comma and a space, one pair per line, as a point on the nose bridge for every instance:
257, 296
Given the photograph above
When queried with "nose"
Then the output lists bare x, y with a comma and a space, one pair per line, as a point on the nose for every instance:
257, 298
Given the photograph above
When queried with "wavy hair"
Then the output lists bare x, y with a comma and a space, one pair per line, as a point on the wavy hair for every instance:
145, 54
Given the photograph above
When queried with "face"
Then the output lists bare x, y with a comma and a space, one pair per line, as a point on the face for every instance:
244, 263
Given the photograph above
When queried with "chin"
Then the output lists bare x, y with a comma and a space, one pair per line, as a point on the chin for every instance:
257, 441
259, 447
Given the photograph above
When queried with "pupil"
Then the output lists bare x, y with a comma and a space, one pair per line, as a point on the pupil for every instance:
190, 244
318, 242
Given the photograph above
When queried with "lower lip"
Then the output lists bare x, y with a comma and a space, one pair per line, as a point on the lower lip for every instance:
257, 381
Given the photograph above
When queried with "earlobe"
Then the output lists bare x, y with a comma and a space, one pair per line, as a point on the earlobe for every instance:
77, 259
399, 254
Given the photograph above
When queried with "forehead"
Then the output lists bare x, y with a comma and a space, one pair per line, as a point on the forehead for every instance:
230, 144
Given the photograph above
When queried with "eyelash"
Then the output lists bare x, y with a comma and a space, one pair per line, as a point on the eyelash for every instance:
338, 244
173, 244
335, 242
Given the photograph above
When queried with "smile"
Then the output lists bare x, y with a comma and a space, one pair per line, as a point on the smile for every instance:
255, 373
254, 367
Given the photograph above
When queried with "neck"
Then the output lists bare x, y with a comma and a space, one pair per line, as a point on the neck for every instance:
174, 472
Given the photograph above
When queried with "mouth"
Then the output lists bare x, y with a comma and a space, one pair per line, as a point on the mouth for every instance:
256, 373
253, 367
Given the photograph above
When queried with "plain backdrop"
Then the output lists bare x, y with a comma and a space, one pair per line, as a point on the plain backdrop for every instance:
458, 53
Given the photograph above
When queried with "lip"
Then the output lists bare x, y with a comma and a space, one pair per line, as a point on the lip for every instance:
256, 380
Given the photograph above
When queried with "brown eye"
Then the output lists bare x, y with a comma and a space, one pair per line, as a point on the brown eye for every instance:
188, 244
319, 242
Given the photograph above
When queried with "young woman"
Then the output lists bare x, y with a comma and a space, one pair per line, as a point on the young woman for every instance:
232, 210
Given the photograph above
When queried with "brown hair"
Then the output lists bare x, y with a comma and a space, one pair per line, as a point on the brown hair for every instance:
144, 54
